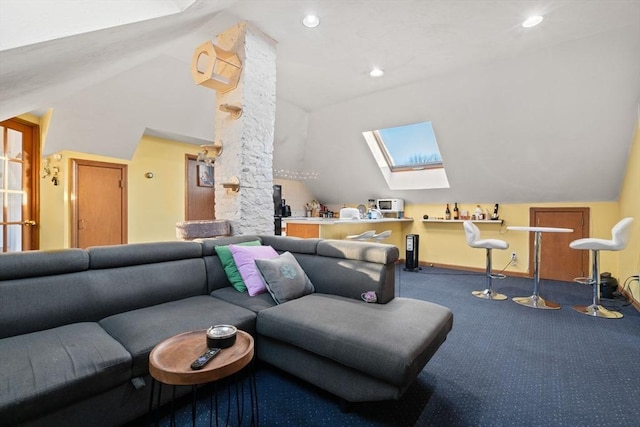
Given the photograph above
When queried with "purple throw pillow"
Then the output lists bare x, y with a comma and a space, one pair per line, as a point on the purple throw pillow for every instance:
244, 257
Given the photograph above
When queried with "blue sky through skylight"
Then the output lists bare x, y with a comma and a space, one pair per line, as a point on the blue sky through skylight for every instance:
411, 145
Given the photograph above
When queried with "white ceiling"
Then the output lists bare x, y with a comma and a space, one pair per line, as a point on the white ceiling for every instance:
111, 76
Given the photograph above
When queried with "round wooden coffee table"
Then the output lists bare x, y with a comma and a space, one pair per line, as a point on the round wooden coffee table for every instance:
170, 361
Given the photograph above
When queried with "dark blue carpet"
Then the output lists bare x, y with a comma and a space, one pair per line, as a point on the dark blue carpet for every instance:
502, 365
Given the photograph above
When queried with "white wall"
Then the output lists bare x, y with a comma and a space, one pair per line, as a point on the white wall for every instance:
290, 136
513, 131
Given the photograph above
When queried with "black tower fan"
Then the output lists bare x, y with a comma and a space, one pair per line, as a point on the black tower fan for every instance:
411, 257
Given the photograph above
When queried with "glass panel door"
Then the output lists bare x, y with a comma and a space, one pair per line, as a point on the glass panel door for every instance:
16, 214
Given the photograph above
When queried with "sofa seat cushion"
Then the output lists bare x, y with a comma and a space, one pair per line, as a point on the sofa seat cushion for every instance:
49, 369
255, 304
390, 341
140, 330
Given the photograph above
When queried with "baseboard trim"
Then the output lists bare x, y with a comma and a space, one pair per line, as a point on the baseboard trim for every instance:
635, 303
465, 268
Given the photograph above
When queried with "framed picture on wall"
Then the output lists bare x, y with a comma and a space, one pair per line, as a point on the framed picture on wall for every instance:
205, 176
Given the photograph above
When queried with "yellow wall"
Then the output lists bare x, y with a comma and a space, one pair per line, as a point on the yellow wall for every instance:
154, 205
445, 243
630, 206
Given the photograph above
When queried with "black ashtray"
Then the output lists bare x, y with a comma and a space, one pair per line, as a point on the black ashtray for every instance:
221, 336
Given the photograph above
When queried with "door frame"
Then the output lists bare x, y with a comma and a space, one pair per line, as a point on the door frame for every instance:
585, 232
75, 164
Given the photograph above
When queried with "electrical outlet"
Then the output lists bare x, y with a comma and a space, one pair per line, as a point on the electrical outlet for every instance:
514, 257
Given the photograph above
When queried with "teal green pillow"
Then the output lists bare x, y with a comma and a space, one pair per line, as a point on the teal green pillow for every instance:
229, 265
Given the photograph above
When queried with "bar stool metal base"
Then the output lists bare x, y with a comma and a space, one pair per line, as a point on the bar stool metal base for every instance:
489, 294
597, 311
536, 301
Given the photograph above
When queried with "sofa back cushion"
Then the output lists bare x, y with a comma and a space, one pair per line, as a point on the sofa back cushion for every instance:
296, 245
363, 251
127, 277
47, 289
349, 268
141, 253
17, 265
43, 289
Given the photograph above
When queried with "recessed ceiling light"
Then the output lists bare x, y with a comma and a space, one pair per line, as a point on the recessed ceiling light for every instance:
310, 21
532, 21
376, 72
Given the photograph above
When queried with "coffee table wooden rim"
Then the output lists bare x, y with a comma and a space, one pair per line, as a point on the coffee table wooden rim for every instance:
170, 361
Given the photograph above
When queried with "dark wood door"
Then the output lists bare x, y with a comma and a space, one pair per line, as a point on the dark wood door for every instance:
99, 207
200, 196
557, 260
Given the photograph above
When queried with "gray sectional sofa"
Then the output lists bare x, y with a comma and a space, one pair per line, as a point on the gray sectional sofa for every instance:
77, 326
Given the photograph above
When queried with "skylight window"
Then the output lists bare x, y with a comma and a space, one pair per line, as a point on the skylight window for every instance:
409, 147
408, 156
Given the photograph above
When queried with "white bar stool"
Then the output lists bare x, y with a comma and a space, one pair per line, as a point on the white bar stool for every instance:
381, 236
620, 234
362, 236
473, 239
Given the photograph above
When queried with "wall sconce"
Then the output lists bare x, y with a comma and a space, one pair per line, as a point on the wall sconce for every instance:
222, 71
54, 179
233, 186
53, 171
233, 110
210, 153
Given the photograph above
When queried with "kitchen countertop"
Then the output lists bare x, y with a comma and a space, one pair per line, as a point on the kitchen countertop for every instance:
338, 221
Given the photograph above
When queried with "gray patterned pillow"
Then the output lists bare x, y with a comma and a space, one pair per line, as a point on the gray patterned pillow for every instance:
286, 280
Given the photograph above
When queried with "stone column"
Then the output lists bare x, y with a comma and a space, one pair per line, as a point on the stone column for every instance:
248, 141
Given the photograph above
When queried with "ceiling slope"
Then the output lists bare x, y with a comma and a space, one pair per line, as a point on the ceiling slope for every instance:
521, 115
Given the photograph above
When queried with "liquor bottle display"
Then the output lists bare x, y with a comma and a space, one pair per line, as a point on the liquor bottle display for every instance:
495, 212
456, 212
447, 213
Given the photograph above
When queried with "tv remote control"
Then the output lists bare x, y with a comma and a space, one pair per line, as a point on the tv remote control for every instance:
204, 359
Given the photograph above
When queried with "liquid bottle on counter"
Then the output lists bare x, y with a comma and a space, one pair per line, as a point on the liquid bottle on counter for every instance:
456, 212
447, 213
495, 212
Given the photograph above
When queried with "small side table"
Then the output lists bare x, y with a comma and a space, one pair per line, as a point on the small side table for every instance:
535, 300
170, 363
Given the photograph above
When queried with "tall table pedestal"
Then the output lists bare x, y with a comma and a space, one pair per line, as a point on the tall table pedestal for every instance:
535, 300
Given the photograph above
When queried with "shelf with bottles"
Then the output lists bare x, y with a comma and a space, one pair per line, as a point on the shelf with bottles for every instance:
479, 215
481, 221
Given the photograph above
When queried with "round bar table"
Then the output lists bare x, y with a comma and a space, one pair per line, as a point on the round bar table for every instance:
535, 300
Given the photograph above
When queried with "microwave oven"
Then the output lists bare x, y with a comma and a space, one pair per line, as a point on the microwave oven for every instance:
390, 205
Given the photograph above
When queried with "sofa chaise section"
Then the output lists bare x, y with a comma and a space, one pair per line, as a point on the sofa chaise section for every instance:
353, 349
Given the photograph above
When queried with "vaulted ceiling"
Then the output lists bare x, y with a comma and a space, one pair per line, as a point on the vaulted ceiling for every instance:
540, 114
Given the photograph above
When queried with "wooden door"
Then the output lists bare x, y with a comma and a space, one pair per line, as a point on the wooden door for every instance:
557, 260
19, 185
200, 196
99, 203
